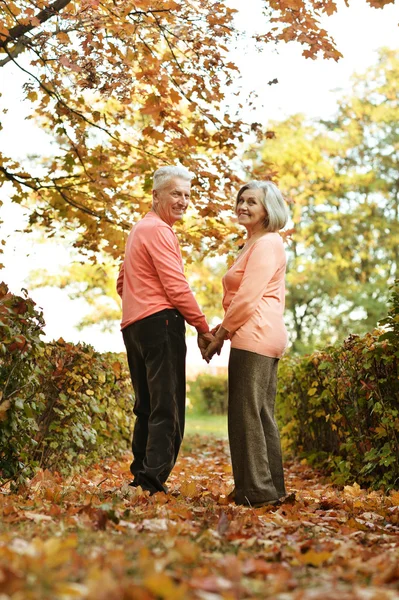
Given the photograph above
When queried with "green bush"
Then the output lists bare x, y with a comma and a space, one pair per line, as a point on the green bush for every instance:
21, 326
208, 394
340, 407
61, 404
87, 406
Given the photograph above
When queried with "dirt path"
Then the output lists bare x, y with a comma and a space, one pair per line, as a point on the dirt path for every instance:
93, 537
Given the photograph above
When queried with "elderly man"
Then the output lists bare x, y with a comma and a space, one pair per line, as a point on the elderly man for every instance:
156, 302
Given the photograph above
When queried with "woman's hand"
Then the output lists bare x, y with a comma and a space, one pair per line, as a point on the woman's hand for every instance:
216, 346
215, 329
203, 341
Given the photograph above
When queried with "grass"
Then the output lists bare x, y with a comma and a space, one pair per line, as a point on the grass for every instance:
206, 424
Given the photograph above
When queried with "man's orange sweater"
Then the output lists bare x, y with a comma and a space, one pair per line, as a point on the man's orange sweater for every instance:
152, 275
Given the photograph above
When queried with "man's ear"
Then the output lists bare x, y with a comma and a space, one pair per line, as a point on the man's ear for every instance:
154, 197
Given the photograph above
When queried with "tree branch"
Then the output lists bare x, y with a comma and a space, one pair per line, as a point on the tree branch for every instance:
22, 180
19, 47
44, 15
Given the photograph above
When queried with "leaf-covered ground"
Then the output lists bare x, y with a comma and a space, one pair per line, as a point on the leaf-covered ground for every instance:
93, 537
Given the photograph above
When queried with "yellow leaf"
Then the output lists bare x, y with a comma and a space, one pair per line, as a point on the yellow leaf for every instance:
32, 96
63, 37
162, 586
312, 391
90, 392
314, 558
353, 490
356, 524
189, 489
59, 551
71, 590
188, 551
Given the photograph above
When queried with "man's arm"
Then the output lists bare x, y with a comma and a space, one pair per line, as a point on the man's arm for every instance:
165, 255
119, 281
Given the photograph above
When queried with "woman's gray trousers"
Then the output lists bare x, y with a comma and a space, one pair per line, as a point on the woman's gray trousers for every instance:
253, 433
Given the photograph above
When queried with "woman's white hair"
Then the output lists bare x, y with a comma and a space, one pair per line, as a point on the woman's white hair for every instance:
273, 202
164, 174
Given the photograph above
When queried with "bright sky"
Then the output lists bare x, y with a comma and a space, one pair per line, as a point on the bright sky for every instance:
304, 86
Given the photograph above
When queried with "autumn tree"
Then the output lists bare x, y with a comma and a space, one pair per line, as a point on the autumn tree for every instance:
122, 87
342, 176
367, 124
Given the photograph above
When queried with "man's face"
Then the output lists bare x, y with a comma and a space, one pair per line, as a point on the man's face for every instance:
170, 202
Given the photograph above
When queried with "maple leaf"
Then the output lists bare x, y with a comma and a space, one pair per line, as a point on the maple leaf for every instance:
353, 490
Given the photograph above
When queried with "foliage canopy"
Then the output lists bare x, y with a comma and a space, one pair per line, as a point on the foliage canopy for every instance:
123, 87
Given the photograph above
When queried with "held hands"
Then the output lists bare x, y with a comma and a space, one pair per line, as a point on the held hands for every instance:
204, 340
212, 343
215, 347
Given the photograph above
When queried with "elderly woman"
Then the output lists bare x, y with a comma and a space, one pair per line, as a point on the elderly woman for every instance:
253, 301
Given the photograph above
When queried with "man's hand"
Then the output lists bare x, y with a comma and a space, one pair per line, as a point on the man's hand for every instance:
204, 340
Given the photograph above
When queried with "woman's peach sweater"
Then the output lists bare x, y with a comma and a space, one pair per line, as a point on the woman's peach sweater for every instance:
254, 298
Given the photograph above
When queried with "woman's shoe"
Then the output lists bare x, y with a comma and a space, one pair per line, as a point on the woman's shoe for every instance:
288, 499
266, 503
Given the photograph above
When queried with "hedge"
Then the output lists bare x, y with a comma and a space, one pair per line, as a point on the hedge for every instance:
339, 407
61, 405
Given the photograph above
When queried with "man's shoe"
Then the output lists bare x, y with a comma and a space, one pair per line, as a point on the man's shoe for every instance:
151, 490
232, 495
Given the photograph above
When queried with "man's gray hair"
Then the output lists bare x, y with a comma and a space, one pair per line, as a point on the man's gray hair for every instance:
273, 202
164, 174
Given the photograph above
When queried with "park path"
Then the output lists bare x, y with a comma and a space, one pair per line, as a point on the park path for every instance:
92, 537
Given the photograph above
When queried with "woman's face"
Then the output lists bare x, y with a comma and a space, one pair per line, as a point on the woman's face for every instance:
250, 211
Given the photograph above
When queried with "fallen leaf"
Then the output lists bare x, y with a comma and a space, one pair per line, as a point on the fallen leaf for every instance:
314, 558
37, 517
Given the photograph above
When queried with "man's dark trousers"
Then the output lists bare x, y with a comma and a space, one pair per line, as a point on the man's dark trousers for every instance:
156, 352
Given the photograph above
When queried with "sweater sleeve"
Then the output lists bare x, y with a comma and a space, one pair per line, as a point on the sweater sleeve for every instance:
164, 252
260, 268
119, 282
